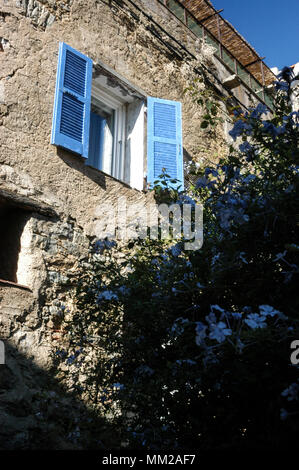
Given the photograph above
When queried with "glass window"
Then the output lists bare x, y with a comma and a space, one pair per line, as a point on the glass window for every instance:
194, 26
213, 42
269, 100
243, 74
177, 9
102, 132
255, 85
260, 94
116, 134
228, 59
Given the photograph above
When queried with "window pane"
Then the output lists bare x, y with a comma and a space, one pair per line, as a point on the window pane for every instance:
101, 137
228, 59
255, 85
243, 74
260, 94
177, 9
212, 42
269, 100
194, 26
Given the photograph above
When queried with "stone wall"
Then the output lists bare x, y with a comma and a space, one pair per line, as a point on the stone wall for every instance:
61, 198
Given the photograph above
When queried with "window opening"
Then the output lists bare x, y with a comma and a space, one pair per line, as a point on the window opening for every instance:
12, 223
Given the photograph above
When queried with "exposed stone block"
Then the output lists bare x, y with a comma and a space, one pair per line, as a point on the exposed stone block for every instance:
37, 12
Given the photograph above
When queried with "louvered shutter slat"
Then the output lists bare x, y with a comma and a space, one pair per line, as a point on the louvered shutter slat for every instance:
165, 146
71, 118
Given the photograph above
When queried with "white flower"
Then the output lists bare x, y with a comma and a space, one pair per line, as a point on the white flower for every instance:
293, 245
118, 386
107, 295
280, 256
211, 318
242, 257
240, 345
156, 294
185, 361
215, 258
177, 327
176, 250
236, 315
155, 262
200, 333
219, 331
200, 286
266, 310
291, 392
254, 320
124, 290
249, 178
216, 307
101, 245
144, 370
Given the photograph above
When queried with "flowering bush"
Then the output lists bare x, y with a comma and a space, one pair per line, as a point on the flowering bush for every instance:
192, 348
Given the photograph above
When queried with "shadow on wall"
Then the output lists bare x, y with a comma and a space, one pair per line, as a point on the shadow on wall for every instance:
77, 163
38, 413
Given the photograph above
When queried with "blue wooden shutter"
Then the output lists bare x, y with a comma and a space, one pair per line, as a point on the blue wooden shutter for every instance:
164, 140
96, 141
70, 128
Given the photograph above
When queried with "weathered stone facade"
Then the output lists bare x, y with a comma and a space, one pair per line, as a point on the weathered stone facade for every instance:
54, 197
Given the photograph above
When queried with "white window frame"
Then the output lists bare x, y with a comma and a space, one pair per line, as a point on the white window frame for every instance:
128, 155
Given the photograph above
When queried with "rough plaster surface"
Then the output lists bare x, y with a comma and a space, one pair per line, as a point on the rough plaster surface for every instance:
30, 31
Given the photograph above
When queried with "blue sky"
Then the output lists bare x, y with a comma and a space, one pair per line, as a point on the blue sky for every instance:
270, 26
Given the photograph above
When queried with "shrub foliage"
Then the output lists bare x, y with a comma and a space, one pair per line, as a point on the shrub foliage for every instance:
192, 348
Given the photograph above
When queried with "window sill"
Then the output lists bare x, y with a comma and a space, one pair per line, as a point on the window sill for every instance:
119, 181
14, 284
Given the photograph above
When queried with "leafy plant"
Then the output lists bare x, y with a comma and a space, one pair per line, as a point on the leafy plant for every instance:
188, 348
